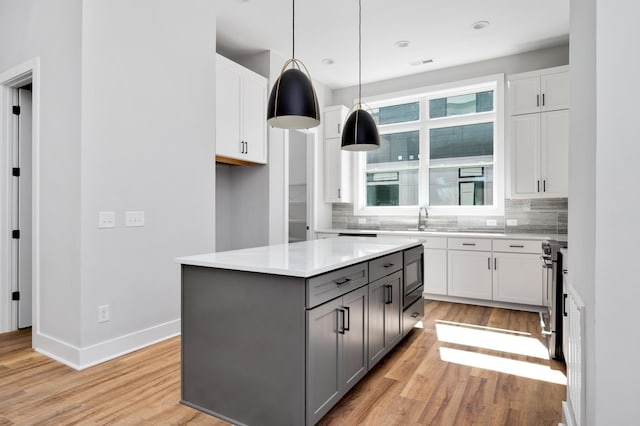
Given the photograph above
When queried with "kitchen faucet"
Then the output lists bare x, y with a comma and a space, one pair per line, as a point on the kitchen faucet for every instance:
422, 225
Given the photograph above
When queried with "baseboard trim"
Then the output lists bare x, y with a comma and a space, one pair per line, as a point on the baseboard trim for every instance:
490, 303
81, 358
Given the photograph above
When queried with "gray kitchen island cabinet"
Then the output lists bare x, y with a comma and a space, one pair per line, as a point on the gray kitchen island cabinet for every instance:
276, 335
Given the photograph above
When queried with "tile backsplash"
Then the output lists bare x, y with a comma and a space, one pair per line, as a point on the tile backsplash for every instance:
544, 216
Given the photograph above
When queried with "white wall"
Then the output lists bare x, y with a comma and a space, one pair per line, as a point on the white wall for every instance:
148, 130
617, 289
582, 175
223, 207
529, 61
52, 32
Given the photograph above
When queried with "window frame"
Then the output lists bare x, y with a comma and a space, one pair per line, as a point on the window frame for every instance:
423, 95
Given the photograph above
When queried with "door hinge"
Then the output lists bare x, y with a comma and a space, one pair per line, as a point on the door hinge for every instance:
16, 110
15, 234
15, 295
16, 171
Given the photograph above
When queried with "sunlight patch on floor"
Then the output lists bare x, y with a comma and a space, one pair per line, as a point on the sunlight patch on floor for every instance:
486, 338
525, 369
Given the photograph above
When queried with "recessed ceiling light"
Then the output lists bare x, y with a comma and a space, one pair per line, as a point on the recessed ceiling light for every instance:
480, 25
421, 62
402, 43
327, 61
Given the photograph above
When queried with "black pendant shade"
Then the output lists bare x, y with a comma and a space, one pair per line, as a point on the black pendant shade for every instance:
360, 132
293, 103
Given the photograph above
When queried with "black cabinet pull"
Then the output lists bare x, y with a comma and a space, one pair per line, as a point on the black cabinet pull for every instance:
338, 128
564, 305
340, 313
488, 263
537, 100
543, 99
516, 246
388, 265
346, 327
339, 193
544, 185
468, 244
495, 263
415, 315
389, 299
538, 186
342, 281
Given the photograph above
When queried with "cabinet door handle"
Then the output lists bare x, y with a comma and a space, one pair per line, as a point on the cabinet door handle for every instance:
342, 281
346, 327
544, 185
488, 263
340, 314
388, 290
339, 193
415, 314
241, 147
495, 263
246, 147
537, 100
543, 99
516, 246
388, 265
468, 244
538, 186
338, 128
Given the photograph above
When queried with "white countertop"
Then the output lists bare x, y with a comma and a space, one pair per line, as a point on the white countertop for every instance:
455, 234
302, 259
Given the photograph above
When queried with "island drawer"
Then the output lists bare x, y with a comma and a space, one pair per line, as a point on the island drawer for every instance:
385, 265
477, 244
412, 315
518, 246
325, 287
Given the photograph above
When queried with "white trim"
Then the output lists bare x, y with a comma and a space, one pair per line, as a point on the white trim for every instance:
9, 80
81, 358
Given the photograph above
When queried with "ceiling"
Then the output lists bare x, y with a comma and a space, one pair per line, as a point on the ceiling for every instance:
441, 30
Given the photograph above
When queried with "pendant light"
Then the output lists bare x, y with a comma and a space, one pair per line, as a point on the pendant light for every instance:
360, 131
293, 103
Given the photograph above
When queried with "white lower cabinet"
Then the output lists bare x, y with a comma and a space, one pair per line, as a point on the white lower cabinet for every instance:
337, 350
435, 271
517, 278
469, 274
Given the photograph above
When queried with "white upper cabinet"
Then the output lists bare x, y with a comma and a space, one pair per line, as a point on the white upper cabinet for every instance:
337, 163
539, 91
241, 102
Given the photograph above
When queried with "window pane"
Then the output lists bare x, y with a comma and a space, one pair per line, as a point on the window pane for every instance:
392, 188
458, 186
462, 104
395, 147
471, 140
397, 113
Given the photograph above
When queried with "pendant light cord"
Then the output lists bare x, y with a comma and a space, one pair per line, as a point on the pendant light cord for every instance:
293, 30
360, 53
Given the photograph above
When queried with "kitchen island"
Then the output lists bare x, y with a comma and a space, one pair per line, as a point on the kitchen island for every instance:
276, 335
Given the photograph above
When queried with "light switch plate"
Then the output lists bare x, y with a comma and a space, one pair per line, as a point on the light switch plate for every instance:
106, 219
134, 218
512, 222
492, 222
362, 220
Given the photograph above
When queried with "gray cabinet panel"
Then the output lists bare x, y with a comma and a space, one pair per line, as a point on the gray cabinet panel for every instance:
323, 358
385, 265
354, 350
393, 312
385, 316
377, 293
334, 284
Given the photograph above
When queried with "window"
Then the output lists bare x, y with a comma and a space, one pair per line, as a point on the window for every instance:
440, 147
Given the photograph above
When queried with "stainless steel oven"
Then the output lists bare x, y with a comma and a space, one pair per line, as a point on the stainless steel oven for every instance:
551, 320
413, 273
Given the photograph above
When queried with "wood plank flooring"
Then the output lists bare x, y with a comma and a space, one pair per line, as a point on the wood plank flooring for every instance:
411, 386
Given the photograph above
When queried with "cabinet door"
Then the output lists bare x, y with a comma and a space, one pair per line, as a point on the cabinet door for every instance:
469, 274
517, 278
555, 153
393, 311
525, 95
228, 104
337, 172
354, 347
555, 91
377, 298
333, 121
435, 271
254, 116
525, 155
323, 358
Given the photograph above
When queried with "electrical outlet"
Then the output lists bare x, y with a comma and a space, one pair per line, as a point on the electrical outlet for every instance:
134, 218
512, 222
103, 313
106, 219
492, 222
362, 220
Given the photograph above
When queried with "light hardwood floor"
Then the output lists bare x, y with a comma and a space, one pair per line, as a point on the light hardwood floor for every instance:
411, 386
